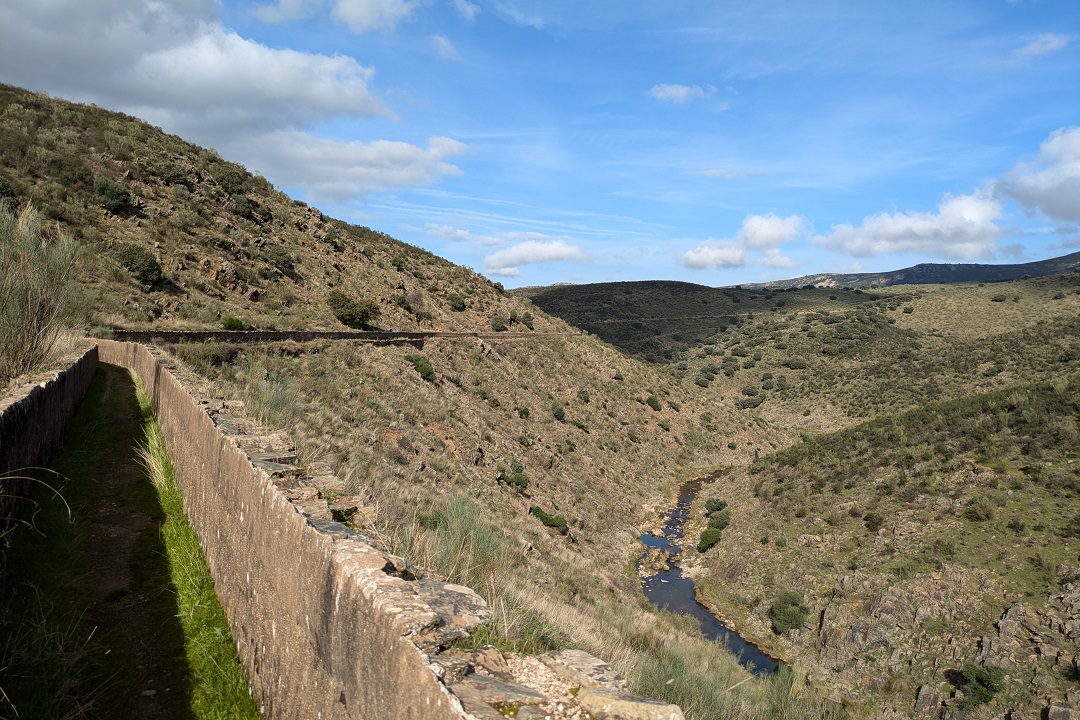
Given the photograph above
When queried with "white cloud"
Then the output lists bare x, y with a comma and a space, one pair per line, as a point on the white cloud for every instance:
444, 48
364, 15
468, 10
715, 253
339, 170
775, 259
217, 80
679, 94
758, 232
459, 235
287, 10
766, 231
1052, 183
359, 16
963, 228
506, 262
1042, 45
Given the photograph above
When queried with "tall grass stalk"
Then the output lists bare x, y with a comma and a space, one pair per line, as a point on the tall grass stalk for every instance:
219, 687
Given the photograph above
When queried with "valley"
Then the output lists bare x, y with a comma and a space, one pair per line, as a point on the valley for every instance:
893, 510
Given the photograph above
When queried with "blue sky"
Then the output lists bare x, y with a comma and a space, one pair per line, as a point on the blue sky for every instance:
540, 142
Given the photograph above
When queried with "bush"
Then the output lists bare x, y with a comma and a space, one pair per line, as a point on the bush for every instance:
422, 365
981, 684
280, 258
557, 522
749, 403
787, 612
352, 312
140, 262
720, 519
516, 478
457, 303
527, 320
714, 505
37, 288
709, 537
110, 194
653, 402
558, 412
873, 522
999, 298
230, 322
498, 324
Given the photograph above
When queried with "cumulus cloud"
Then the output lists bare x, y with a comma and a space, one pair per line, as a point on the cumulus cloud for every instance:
963, 228
339, 170
715, 254
758, 232
1042, 45
468, 10
775, 259
1051, 184
506, 262
176, 66
761, 231
679, 94
444, 48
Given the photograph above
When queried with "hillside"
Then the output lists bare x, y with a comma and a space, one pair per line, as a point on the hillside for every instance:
919, 484
523, 465
937, 274
899, 465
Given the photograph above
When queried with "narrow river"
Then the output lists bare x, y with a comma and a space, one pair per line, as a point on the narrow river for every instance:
671, 590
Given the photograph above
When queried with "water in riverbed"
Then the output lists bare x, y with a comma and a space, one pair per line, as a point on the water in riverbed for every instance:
670, 590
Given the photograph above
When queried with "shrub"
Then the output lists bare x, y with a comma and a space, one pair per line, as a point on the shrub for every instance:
37, 288
787, 612
230, 322
522, 411
873, 521
720, 519
558, 412
457, 303
709, 537
999, 298
422, 366
498, 324
280, 258
140, 262
350, 311
527, 320
583, 396
653, 402
979, 510
557, 522
110, 194
516, 477
749, 403
981, 684
714, 505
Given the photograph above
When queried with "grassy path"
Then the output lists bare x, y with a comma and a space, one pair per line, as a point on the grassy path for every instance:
91, 623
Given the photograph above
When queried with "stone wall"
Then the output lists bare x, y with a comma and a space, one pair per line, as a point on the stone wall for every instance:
325, 625
32, 420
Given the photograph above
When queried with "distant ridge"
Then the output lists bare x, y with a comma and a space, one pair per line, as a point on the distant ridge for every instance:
934, 273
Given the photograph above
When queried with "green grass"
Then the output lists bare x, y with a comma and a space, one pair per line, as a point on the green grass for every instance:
219, 687
104, 596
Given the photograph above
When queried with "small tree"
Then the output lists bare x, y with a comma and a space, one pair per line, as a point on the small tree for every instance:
350, 311
787, 611
110, 194
37, 288
140, 262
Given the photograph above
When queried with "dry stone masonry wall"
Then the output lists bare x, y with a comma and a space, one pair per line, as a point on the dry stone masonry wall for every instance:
326, 625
